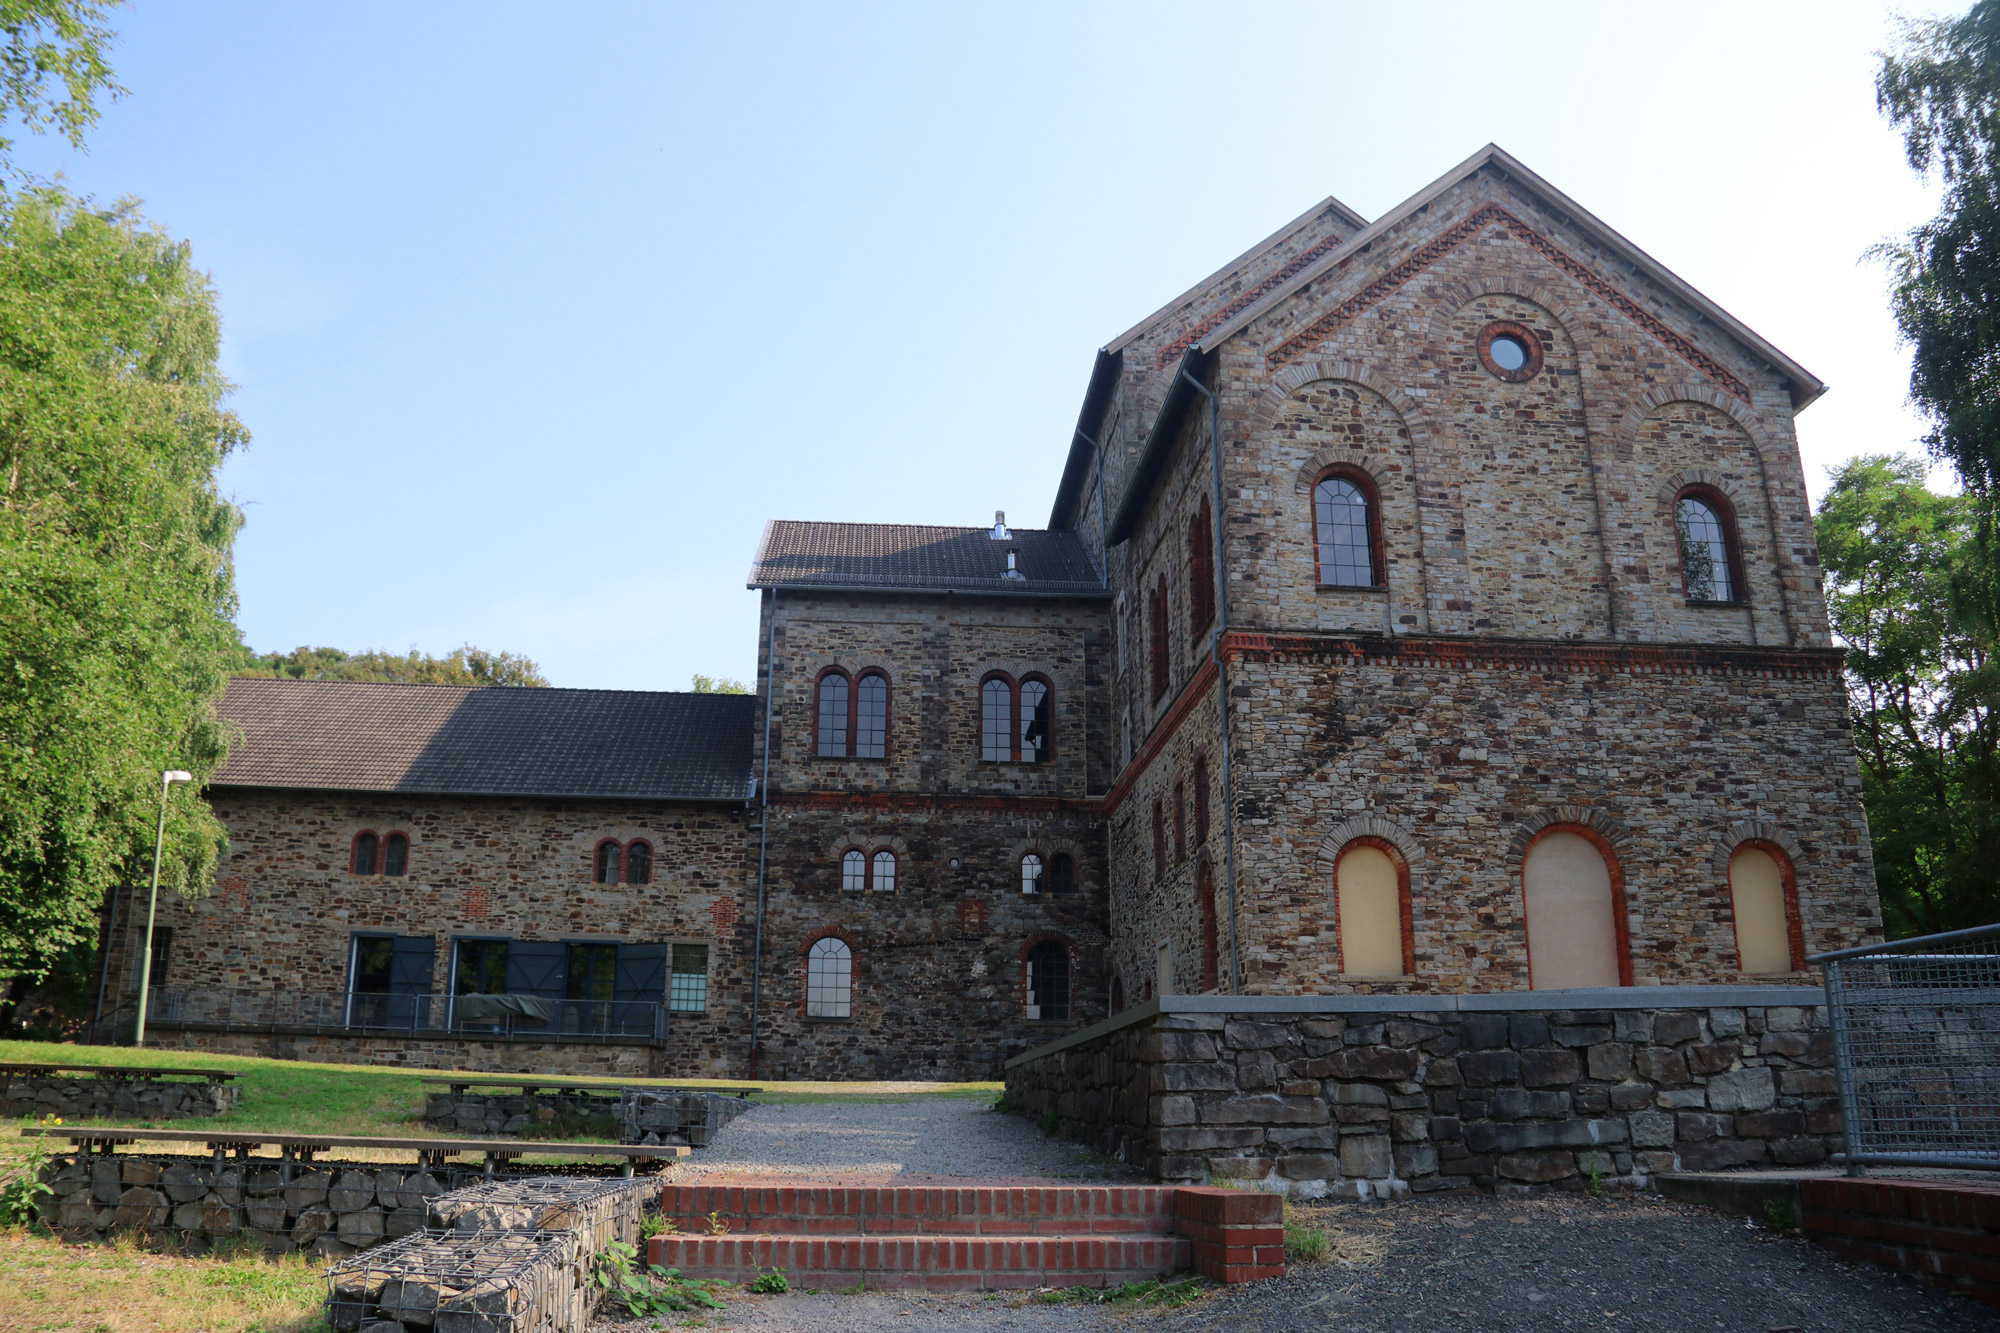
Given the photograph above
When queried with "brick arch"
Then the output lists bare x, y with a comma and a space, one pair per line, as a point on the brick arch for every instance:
1691, 392
1408, 845
1594, 823
863, 841
1456, 297
1334, 458
1614, 865
1264, 411
1406, 922
1788, 872
1696, 478
1754, 830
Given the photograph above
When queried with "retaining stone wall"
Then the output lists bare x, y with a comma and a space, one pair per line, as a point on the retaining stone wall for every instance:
639, 1115
1356, 1101
74, 1099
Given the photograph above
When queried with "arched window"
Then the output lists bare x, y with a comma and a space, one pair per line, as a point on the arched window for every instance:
1345, 523
1117, 995
1031, 873
1062, 874
885, 872
1034, 721
364, 854
1048, 982
854, 871
871, 717
833, 703
1201, 570
606, 871
996, 720
1200, 801
395, 854
1573, 894
1371, 901
639, 863
1159, 839
1162, 654
1211, 945
1706, 531
1180, 819
1764, 892
829, 979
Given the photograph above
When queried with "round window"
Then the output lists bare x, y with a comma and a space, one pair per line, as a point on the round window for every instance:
1509, 351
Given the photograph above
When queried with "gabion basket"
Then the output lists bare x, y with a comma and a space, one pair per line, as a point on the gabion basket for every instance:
485, 1281
600, 1211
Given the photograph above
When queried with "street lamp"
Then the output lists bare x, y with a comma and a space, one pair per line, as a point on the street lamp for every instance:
167, 780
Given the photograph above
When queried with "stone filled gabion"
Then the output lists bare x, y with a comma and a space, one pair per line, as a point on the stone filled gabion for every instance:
479, 1281
73, 1099
653, 1116
599, 1211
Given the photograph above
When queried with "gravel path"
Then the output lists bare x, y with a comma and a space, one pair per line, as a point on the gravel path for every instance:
931, 1136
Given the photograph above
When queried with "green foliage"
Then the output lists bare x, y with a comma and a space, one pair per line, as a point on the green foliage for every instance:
1305, 1239
50, 42
1911, 590
1941, 89
650, 1289
21, 1193
718, 685
1002, 1105
1152, 1293
773, 1283
115, 631
1051, 1123
464, 666
1780, 1215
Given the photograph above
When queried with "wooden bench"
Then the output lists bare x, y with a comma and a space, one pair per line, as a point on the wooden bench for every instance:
529, 1085
27, 1069
295, 1148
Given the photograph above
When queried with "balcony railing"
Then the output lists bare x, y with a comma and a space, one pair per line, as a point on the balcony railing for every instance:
348, 1011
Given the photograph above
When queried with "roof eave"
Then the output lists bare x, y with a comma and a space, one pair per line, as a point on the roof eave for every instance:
1088, 434
954, 590
240, 784
1152, 458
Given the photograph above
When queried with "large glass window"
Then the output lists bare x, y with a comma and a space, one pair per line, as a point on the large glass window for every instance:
608, 857
639, 863
996, 721
373, 957
1048, 982
1031, 873
365, 848
481, 968
884, 866
1345, 529
829, 979
853, 871
871, 722
395, 854
1705, 553
833, 715
687, 991
1034, 721
590, 972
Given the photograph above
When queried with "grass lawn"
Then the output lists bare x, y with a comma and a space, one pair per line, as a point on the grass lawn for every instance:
48, 1285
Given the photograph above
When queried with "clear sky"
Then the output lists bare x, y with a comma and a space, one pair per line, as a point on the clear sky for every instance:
539, 312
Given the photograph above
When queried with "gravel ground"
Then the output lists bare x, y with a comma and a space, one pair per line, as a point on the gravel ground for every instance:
933, 1136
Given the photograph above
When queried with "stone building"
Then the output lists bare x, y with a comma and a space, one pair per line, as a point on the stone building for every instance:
1428, 605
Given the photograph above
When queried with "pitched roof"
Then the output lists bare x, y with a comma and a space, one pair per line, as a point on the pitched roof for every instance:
450, 739
909, 557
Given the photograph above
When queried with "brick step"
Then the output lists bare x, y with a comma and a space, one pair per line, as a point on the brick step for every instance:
935, 1263
904, 1210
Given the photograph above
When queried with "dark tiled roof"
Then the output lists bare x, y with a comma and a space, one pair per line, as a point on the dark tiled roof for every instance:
357, 736
898, 556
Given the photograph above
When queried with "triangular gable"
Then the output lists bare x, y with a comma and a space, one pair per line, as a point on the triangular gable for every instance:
1804, 385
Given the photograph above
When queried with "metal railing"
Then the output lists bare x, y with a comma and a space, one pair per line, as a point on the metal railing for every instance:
349, 1011
1916, 1039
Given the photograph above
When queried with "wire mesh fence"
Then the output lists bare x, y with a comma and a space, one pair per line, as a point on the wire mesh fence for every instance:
599, 1211
1916, 1032
482, 1281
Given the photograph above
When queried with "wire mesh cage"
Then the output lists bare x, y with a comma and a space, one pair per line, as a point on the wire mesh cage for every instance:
599, 1211
1916, 1032
657, 1115
484, 1281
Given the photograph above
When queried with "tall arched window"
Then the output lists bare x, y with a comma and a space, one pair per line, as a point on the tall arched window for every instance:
639, 863
871, 716
884, 869
606, 869
1371, 903
1162, 650
1034, 721
395, 854
1062, 873
854, 871
1200, 801
1180, 819
1347, 530
996, 720
1706, 532
1048, 982
833, 703
1201, 570
1574, 899
1015, 719
829, 979
1764, 893
1031, 873
364, 854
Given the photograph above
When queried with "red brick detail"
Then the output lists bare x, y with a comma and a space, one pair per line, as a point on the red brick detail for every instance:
477, 903
1458, 234
1500, 654
1221, 1207
1247, 299
1948, 1234
723, 915
1191, 694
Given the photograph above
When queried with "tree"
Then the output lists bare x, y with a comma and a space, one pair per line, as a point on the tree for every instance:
116, 586
1941, 88
1911, 591
49, 42
718, 685
466, 665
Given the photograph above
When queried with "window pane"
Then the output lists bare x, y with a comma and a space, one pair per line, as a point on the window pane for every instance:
687, 989
639, 864
1031, 873
373, 955
885, 872
853, 872
482, 967
833, 715
829, 980
996, 721
1200, 801
364, 854
607, 862
871, 723
1346, 556
1034, 721
1062, 873
1704, 552
1048, 982
396, 855
590, 972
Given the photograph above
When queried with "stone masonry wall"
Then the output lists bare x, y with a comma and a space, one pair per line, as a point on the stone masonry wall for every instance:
74, 1099
1316, 1098
484, 1055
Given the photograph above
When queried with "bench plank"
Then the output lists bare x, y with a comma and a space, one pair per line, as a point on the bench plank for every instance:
120, 1071
586, 1084
322, 1142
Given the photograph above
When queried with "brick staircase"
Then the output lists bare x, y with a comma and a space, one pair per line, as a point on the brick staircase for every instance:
962, 1236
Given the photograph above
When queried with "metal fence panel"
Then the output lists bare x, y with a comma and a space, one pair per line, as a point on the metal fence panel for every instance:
1916, 1033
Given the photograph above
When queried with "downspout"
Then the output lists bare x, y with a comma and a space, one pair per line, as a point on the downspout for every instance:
1222, 678
104, 960
763, 830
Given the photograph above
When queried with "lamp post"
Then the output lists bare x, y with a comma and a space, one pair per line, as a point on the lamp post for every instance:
167, 780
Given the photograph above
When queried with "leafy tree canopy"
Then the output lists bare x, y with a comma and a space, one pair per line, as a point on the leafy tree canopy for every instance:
116, 587
718, 685
45, 44
463, 666
1911, 590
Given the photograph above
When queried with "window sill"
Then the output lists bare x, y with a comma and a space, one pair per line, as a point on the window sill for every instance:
822, 1018
851, 758
1716, 606
1353, 587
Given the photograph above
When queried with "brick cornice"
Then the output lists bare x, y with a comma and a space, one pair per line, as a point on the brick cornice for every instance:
1536, 655
1191, 694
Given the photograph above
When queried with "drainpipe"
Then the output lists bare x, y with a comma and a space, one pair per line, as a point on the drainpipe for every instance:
763, 829
1222, 677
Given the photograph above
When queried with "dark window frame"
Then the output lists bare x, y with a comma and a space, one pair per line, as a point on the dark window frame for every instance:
354, 866
392, 866
1052, 948
597, 862
1725, 518
1159, 838
1180, 821
854, 712
1201, 570
1160, 646
1201, 801
1378, 550
1014, 748
845, 748
1061, 875
636, 845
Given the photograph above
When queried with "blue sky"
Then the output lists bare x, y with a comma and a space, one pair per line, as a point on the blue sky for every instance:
539, 312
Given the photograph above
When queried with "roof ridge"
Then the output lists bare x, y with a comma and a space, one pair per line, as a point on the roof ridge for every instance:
540, 691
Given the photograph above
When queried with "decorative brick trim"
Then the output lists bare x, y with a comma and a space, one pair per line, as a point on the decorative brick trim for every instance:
1458, 234
1388, 848
1610, 835
1596, 828
1400, 836
1674, 487
1191, 694
1533, 655
1689, 392
1754, 830
1333, 460
1786, 852
1283, 385
1530, 341
860, 840
1247, 298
